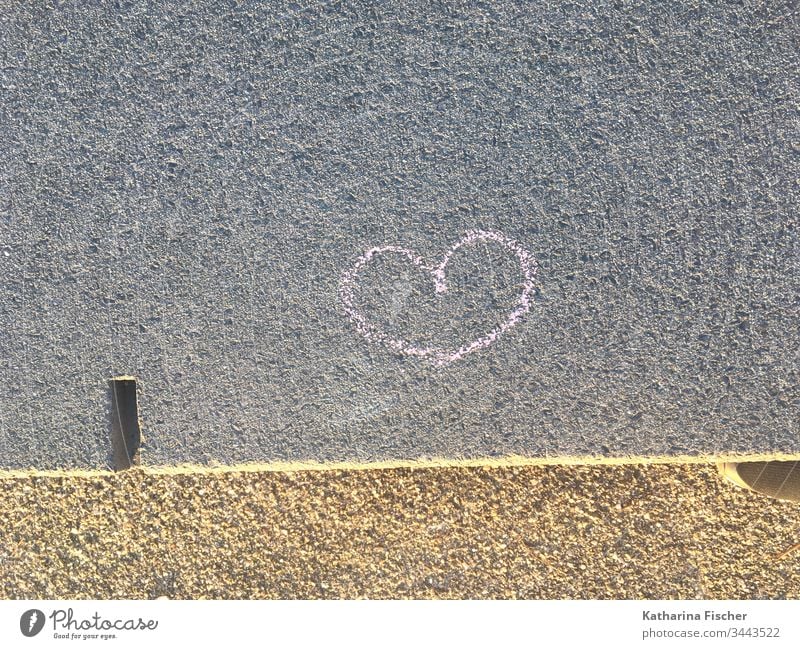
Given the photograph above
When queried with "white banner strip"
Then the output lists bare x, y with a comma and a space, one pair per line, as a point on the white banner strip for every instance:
372, 624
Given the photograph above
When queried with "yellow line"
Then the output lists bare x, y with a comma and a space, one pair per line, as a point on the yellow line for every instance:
427, 463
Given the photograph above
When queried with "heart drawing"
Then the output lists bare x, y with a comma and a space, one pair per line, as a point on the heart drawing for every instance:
438, 356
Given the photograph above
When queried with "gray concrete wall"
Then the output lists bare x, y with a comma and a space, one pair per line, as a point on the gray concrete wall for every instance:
189, 193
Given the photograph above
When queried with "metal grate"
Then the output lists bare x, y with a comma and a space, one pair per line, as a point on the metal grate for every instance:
125, 434
776, 479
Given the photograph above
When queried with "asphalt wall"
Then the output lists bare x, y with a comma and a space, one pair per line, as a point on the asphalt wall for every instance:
397, 230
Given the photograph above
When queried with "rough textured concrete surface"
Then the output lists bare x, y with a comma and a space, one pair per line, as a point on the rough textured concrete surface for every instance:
656, 532
187, 190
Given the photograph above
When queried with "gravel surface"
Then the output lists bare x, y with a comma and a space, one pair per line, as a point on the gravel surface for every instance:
628, 531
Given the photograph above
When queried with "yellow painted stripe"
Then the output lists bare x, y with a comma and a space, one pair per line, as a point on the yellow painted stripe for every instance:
424, 463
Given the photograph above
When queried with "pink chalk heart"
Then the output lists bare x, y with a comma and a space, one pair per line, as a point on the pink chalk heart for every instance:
438, 356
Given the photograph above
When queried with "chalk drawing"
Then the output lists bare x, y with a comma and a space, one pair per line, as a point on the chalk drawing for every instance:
438, 356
